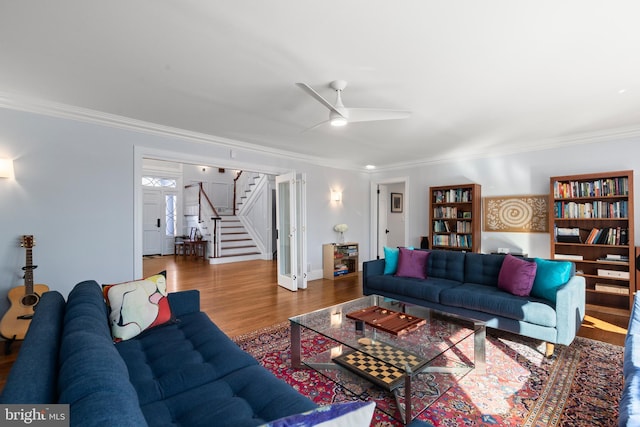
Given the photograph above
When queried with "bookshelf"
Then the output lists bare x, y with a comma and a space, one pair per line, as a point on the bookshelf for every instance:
454, 217
339, 260
591, 216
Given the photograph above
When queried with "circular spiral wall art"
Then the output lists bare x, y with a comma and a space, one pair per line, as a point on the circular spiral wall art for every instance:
521, 214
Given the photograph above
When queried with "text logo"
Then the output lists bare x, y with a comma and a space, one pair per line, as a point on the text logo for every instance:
34, 415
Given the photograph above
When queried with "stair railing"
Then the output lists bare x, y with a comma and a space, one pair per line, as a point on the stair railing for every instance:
215, 218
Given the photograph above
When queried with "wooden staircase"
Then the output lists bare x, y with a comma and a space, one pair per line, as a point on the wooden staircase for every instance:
235, 244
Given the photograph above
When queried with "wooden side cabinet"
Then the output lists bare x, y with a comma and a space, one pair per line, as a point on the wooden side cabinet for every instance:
454, 219
591, 216
339, 260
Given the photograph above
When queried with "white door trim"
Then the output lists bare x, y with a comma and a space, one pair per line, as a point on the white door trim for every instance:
373, 247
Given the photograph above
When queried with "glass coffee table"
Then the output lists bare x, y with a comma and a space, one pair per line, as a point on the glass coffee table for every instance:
403, 373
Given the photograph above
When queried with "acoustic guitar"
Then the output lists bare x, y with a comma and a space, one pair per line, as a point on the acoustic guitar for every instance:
23, 299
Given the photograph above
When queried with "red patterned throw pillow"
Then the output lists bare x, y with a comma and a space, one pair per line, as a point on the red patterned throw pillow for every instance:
137, 306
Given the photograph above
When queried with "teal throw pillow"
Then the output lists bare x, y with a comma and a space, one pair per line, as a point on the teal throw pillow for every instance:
391, 260
549, 277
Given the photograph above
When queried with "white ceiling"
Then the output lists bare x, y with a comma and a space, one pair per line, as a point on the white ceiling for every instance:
479, 76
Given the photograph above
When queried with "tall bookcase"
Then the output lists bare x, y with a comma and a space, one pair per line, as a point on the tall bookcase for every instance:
454, 217
591, 216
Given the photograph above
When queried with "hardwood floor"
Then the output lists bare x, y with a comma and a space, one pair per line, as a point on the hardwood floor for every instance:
242, 297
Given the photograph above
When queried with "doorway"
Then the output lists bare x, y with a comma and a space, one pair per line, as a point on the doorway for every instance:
390, 214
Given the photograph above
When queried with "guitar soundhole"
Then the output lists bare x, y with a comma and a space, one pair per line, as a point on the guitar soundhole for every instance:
30, 300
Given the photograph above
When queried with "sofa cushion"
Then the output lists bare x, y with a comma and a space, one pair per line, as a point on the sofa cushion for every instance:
446, 265
391, 260
517, 276
425, 289
412, 263
93, 378
189, 370
137, 306
490, 299
549, 277
483, 269
34, 374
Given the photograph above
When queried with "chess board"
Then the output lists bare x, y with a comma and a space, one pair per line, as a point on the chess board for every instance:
381, 364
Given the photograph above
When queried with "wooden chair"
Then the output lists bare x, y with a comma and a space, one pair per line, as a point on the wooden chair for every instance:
181, 246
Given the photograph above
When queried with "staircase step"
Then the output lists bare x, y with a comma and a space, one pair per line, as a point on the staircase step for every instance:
239, 254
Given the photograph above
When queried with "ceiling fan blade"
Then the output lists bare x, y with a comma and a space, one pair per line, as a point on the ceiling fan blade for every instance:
314, 126
305, 87
373, 114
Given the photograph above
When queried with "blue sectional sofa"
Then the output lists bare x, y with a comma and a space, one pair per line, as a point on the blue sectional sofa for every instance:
184, 373
630, 400
467, 284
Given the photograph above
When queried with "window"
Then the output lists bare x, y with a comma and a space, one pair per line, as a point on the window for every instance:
152, 181
170, 214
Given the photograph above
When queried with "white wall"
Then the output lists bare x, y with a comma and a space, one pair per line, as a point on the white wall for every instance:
515, 174
77, 189
77, 186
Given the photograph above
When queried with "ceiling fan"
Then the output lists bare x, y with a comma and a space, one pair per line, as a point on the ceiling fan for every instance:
339, 115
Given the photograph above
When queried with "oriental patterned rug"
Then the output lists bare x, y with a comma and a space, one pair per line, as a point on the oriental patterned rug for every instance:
580, 386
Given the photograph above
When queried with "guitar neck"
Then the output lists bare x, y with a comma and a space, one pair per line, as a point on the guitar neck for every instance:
28, 273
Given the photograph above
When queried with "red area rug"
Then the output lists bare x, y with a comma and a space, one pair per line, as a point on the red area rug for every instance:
580, 386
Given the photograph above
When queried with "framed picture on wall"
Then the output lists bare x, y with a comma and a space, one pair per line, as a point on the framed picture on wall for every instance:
396, 202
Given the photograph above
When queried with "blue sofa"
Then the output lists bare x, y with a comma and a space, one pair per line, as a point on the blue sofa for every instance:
184, 373
466, 284
630, 400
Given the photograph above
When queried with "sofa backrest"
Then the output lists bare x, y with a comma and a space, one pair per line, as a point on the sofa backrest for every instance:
34, 374
446, 265
483, 268
93, 378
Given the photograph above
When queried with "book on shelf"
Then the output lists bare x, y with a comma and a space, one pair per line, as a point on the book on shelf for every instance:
614, 261
613, 274
613, 289
613, 257
568, 235
570, 257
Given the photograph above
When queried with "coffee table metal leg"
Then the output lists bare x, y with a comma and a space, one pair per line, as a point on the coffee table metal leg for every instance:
479, 343
407, 395
295, 346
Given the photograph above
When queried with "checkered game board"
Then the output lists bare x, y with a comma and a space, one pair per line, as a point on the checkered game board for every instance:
381, 364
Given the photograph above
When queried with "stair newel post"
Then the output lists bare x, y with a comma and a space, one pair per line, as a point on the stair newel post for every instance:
201, 190
235, 191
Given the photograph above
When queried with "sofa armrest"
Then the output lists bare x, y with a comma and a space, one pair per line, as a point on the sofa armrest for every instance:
570, 309
184, 302
34, 375
369, 269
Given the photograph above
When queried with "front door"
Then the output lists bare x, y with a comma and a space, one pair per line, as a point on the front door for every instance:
152, 213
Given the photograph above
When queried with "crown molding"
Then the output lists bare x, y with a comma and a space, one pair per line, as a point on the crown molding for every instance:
48, 108
85, 115
600, 136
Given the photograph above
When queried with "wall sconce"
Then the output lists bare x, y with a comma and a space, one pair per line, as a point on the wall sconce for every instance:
336, 196
6, 168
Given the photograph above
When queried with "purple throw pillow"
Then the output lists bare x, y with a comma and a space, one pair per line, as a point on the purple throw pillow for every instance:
412, 263
517, 276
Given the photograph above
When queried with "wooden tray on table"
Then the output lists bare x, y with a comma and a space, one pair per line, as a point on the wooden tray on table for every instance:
393, 322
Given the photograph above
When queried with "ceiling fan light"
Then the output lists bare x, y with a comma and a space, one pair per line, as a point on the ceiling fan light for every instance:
336, 119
